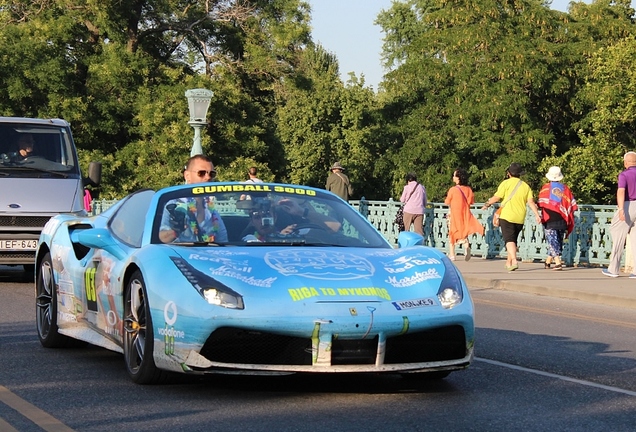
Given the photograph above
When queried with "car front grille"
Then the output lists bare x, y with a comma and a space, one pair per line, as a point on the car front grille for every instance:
23, 221
233, 345
240, 346
444, 343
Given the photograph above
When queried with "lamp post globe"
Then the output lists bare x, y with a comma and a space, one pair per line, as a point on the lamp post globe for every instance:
198, 104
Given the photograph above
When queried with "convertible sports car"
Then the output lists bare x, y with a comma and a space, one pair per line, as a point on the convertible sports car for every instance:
289, 279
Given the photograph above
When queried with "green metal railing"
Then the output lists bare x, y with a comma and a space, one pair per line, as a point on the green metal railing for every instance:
589, 244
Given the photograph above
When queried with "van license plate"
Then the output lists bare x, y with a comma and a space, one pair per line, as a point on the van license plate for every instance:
18, 244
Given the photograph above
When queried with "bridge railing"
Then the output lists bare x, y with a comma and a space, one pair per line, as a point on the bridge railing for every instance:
589, 244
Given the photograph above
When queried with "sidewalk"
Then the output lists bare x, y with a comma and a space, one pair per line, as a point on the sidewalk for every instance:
580, 283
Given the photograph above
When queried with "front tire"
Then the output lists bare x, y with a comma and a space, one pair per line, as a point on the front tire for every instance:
46, 307
138, 334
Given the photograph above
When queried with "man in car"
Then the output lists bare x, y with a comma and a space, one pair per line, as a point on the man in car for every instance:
193, 219
270, 220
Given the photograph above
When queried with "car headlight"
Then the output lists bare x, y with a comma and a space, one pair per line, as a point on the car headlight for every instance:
450, 292
213, 291
217, 297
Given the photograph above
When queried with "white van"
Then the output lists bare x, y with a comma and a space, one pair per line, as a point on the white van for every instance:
39, 178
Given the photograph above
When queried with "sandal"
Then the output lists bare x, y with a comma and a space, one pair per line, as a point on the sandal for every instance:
547, 265
512, 268
558, 267
451, 257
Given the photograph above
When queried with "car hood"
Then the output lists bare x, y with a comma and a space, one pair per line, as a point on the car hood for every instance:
325, 274
33, 195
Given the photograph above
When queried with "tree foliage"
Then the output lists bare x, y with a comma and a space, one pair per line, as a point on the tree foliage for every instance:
479, 84
476, 84
118, 71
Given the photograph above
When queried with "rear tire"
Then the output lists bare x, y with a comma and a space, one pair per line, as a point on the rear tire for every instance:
138, 334
46, 307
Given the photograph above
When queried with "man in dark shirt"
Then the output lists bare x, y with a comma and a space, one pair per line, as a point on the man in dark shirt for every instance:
339, 183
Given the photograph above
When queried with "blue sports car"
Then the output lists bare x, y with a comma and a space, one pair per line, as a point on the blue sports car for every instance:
249, 278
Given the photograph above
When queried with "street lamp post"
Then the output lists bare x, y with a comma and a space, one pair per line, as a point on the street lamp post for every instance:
198, 104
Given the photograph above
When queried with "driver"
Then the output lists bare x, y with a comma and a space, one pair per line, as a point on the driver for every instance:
281, 219
25, 145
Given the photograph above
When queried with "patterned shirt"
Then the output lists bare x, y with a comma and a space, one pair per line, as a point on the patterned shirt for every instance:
211, 228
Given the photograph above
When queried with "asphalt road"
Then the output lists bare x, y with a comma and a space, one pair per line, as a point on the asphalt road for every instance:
543, 364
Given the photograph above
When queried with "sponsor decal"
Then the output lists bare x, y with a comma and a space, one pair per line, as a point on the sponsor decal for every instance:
387, 252
326, 265
412, 304
251, 187
236, 265
170, 313
111, 318
168, 332
250, 280
236, 269
51, 226
408, 262
417, 277
66, 317
303, 293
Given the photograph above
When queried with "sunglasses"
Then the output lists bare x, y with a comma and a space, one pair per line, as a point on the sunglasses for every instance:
202, 173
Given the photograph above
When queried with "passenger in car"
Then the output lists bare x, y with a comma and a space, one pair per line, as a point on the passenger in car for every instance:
193, 219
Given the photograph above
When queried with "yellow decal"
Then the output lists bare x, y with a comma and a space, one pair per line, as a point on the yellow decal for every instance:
252, 187
89, 282
208, 189
307, 292
296, 191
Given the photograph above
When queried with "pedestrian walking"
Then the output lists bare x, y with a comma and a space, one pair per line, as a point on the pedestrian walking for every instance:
253, 176
624, 217
414, 199
338, 182
557, 206
516, 196
461, 222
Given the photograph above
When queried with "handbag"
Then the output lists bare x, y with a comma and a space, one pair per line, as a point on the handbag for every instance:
495, 217
497, 214
399, 217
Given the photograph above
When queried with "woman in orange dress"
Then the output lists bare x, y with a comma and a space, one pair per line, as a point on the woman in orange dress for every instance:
462, 222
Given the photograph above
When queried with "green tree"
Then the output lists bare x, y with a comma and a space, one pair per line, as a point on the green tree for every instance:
118, 70
608, 130
477, 84
320, 121
603, 34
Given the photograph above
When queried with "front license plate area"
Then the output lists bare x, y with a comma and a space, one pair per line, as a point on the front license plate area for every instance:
18, 245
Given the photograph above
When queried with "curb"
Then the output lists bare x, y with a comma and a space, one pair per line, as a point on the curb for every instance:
508, 285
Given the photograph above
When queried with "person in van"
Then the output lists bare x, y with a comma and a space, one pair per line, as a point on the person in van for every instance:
25, 145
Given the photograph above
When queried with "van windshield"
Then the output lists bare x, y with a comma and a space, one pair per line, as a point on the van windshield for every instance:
36, 151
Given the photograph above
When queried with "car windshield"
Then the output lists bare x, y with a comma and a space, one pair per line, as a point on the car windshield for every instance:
260, 215
35, 150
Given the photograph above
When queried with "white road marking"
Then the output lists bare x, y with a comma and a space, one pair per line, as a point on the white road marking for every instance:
561, 377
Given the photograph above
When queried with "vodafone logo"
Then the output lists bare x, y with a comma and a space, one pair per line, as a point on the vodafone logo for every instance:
111, 317
170, 313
